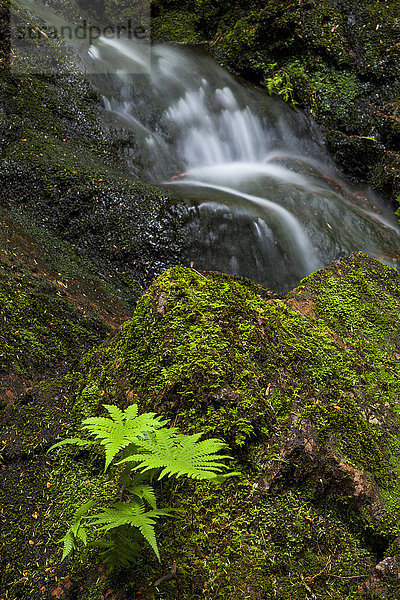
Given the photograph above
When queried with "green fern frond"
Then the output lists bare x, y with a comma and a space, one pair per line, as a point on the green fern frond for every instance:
121, 430
130, 479
81, 535
131, 412
148, 448
78, 516
120, 547
76, 441
69, 545
76, 530
146, 492
116, 413
133, 514
180, 455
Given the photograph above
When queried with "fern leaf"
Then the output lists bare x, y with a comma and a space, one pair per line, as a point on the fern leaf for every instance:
110, 434
120, 547
79, 514
81, 535
147, 422
145, 524
121, 430
116, 413
122, 513
76, 530
131, 412
116, 441
69, 545
76, 441
98, 426
180, 455
133, 514
146, 492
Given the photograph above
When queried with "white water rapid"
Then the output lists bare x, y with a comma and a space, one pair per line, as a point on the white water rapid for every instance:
264, 199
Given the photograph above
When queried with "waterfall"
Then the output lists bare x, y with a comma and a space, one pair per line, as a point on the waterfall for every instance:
263, 197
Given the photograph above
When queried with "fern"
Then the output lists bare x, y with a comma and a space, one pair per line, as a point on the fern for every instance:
179, 455
123, 429
146, 492
147, 448
119, 546
75, 441
76, 530
69, 544
133, 514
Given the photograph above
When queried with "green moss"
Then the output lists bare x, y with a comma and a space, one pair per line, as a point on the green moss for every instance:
241, 543
176, 26
212, 355
40, 493
38, 329
307, 400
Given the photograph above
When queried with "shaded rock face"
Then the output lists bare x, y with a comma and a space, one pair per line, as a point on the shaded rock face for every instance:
340, 60
62, 170
304, 388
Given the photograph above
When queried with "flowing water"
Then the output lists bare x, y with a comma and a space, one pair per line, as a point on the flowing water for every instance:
264, 198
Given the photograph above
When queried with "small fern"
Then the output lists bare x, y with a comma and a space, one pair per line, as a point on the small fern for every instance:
119, 545
76, 530
280, 83
123, 429
179, 455
134, 514
147, 448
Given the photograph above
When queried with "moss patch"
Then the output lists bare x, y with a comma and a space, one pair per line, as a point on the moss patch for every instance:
305, 390
53, 306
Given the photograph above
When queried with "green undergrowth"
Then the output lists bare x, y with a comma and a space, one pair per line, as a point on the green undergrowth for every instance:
211, 355
304, 389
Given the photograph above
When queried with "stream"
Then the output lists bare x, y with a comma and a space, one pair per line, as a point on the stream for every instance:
265, 200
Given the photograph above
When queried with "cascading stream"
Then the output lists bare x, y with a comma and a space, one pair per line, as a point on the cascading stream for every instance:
264, 198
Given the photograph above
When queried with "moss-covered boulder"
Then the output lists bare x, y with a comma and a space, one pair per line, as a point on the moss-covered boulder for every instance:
53, 307
304, 388
340, 60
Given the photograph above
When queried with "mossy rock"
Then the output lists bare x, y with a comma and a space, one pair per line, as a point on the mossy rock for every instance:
53, 305
305, 389
38, 496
